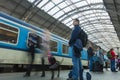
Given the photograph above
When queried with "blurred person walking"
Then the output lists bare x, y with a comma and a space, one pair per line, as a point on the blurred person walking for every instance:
90, 57
100, 62
32, 44
45, 49
106, 59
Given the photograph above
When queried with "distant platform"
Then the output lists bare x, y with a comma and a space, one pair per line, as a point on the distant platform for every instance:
106, 75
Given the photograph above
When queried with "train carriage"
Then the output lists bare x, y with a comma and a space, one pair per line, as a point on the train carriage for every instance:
14, 35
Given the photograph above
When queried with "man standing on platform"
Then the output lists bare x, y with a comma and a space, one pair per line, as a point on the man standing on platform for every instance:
74, 43
112, 60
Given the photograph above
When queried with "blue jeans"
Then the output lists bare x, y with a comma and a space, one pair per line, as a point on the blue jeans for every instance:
91, 63
77, 67
112, 65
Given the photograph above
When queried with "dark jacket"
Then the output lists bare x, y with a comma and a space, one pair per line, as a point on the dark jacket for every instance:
90, 52
77, 47
74, 35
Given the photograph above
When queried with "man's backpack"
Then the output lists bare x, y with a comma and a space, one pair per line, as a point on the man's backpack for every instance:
83, 37
109, 55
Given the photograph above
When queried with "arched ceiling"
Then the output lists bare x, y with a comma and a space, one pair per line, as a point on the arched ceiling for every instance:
92, 14
57, 16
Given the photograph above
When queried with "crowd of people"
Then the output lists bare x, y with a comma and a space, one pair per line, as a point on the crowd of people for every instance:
77, 41
97, 58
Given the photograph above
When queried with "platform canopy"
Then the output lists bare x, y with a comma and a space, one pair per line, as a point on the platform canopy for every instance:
93, 16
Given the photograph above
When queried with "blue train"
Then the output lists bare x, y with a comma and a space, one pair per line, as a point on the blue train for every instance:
14, 35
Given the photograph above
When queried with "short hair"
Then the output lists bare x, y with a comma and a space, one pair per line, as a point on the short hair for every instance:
111, 49
76, 19
99, 47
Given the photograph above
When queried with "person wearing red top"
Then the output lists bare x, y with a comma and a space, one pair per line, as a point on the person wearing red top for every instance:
113, 54
112, 60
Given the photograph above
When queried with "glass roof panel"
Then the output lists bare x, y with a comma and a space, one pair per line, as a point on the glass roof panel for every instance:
53, 11
74, 1
67, 20
75, 16
58, 14
67, 9
57, 1
94, 1
62, 5
48, 6
68, 24
92, 15
81, 4
31, 1
97, 12
42, 3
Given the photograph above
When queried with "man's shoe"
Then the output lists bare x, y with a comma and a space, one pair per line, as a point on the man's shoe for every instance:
114, 71
26, 75
43, 75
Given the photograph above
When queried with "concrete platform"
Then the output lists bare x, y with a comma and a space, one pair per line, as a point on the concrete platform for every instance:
106, 75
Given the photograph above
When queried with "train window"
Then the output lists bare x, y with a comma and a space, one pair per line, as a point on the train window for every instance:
8, 34
35, 39
65, 49
53, 45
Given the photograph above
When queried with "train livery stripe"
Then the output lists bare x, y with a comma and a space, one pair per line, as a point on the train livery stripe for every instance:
21, 57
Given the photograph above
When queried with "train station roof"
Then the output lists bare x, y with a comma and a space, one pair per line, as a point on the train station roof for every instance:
101, 24
113, 9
